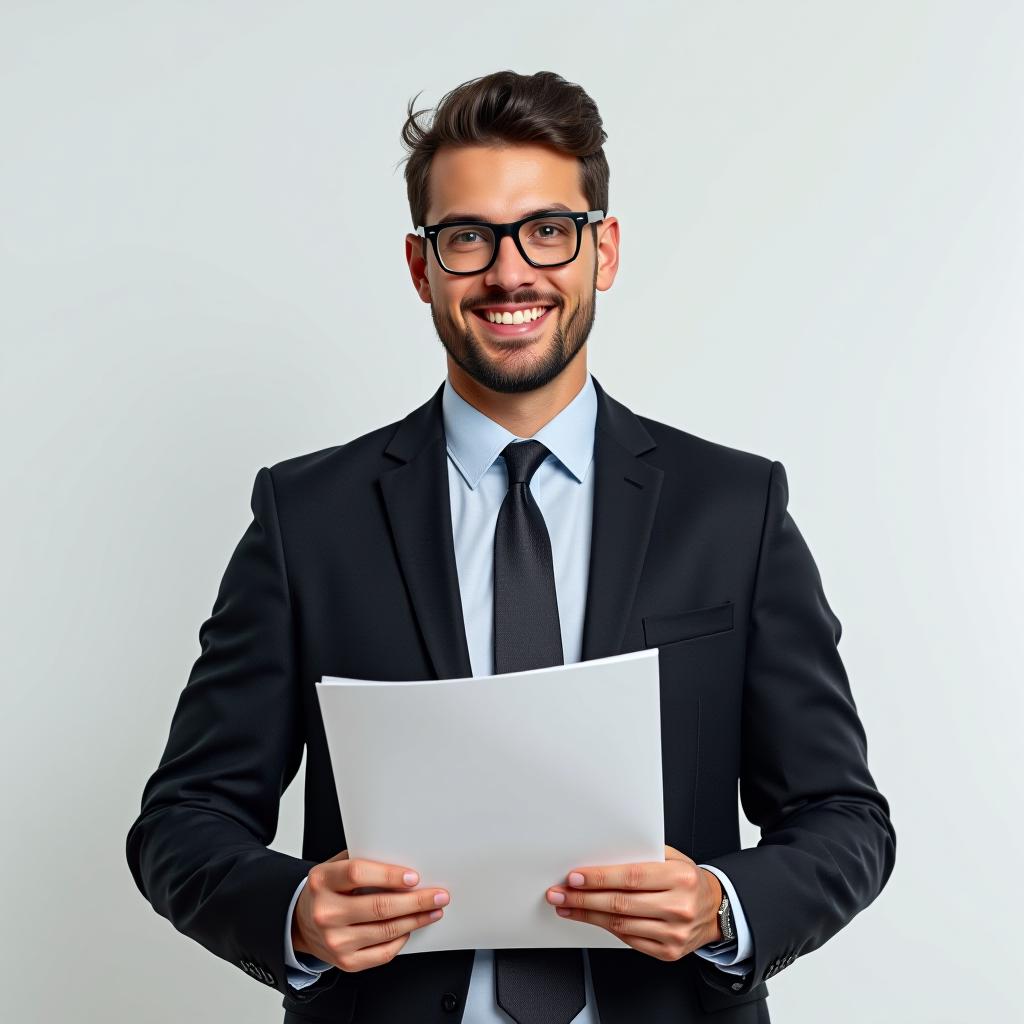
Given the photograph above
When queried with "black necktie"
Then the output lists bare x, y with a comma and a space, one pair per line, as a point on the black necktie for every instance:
533, 986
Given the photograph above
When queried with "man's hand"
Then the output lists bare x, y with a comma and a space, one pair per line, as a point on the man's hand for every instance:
664, 909
357, 914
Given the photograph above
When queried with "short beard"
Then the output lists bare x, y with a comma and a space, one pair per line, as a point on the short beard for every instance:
469, 354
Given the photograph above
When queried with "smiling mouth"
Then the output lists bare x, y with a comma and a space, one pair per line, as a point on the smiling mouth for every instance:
513, 323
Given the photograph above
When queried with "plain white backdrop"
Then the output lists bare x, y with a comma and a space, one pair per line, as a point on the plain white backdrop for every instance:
202, 267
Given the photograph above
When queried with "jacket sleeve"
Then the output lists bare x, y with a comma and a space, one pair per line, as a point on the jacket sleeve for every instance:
827, 845
198, 850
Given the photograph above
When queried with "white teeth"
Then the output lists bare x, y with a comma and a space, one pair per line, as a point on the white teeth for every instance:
520, 316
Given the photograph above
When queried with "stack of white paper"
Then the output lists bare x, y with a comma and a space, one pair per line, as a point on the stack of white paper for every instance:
494, 787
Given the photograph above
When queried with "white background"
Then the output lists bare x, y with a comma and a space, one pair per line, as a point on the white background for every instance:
201, 257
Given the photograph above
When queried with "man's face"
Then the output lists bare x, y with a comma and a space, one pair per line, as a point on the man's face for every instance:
500, 184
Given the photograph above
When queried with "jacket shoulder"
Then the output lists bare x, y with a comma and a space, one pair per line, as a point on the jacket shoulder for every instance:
691, 453
338, 466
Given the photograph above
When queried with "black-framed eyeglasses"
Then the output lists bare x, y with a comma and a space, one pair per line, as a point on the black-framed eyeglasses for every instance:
543, 240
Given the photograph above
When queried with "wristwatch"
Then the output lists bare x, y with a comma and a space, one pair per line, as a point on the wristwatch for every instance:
725, 919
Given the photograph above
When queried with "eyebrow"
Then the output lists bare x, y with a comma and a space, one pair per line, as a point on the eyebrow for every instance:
550, 208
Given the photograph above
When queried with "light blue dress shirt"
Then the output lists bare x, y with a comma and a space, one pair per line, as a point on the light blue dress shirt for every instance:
563, 487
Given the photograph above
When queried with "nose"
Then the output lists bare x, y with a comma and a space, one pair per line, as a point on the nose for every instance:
509, 270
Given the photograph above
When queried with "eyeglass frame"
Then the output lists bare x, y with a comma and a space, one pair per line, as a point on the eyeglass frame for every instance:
578, 217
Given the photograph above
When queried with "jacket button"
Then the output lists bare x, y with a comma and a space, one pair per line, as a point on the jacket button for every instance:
737, 985
450, 1002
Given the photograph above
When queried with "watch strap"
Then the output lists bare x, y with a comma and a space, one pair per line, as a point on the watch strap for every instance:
725, 919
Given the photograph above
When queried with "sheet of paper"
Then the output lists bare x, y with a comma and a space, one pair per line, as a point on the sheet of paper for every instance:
494, 787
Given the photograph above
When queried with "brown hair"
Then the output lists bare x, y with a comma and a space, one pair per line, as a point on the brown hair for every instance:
504, 108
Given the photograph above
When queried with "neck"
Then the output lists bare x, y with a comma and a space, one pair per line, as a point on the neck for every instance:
523, 412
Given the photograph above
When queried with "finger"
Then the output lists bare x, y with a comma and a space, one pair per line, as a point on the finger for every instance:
386, 904
654, 876
616, 901
345, 875
656, 949
378, 933
371, 956
622, 926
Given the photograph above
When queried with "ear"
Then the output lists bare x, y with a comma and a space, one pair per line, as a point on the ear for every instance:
415, 248
607, 253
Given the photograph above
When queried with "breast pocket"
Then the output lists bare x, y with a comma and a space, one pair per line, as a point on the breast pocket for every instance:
675, 627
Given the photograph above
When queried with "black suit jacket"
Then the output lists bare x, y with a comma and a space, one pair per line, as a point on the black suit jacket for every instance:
348, 569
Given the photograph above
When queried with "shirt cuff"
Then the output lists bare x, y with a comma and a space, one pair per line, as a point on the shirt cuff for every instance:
306, 971
733, 958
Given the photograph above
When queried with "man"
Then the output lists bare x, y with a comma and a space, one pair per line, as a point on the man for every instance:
520, 517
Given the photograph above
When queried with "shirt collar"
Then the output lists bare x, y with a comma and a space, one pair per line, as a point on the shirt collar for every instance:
475, 440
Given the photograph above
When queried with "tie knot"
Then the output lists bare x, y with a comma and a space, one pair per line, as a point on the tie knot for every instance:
522, 459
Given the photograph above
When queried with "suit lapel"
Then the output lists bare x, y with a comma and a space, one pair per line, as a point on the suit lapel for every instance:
418, 507
419, 510
626, 493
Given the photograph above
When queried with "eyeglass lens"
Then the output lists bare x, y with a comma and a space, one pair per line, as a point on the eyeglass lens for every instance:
468, 247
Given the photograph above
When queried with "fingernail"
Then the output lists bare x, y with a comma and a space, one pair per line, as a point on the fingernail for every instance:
441, 898
575, 878
556, 897
435, 914
563, 911
411, 878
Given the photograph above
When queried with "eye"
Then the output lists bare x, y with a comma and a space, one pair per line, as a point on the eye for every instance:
548, 231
